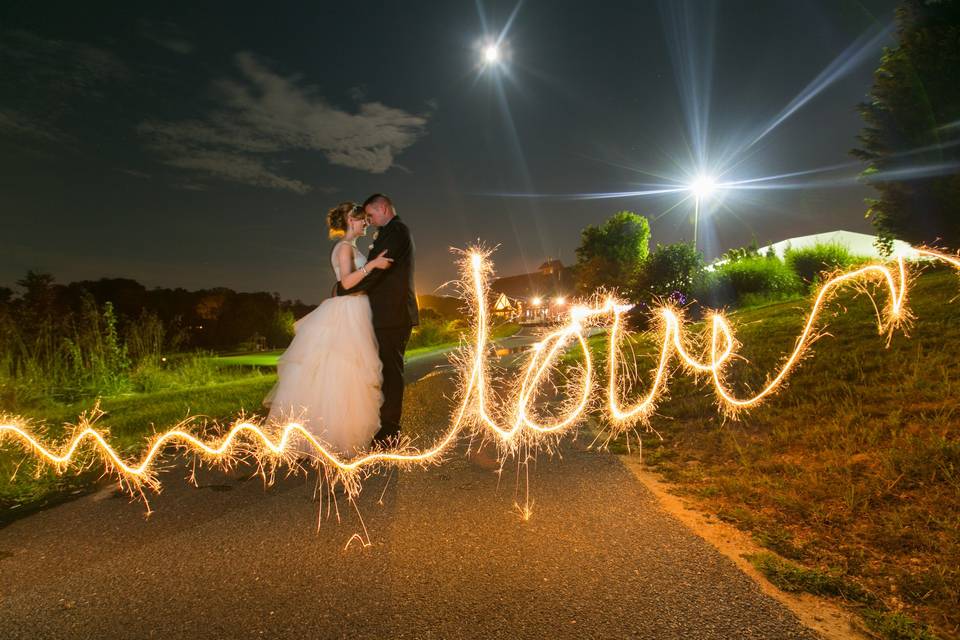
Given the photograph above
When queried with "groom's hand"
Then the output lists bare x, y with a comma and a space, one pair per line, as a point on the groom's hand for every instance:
381, 261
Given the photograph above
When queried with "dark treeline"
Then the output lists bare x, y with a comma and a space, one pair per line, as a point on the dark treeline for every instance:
116, 336
215, 319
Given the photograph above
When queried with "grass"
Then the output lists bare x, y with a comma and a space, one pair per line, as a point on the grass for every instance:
269, 358
228, 390
418, 352
793, 578
498, 332
129, 420
258, 359
855, 466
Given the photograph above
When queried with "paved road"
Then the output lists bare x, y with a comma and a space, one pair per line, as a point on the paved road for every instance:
449, 557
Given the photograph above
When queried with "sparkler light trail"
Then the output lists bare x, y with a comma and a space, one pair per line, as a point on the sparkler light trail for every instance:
516, 424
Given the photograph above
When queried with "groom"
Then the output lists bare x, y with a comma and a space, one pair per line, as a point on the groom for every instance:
394, 304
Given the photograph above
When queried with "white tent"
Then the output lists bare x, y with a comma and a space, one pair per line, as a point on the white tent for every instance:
859, 244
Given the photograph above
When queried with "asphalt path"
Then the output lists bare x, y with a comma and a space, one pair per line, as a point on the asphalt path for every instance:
440, 552
512, 347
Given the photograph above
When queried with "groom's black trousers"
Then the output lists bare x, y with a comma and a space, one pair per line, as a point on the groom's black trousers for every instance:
392, 343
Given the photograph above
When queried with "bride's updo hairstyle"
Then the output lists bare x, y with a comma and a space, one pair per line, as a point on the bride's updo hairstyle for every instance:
338, 217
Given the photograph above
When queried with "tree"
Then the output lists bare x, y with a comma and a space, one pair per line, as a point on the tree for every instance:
912, 119
670, 268
611, 255
38, 312
40, 294
281, 330
752, 250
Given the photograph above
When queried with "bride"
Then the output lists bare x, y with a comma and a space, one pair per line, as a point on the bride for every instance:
330, 375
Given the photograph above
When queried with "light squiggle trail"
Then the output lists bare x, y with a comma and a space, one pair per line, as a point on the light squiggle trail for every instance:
511, 428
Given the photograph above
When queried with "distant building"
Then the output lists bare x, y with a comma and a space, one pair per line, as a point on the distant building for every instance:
534, 297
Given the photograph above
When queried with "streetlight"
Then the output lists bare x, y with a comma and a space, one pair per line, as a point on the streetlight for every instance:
491, 54
702, 187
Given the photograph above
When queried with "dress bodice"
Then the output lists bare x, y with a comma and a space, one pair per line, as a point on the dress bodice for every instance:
358, 258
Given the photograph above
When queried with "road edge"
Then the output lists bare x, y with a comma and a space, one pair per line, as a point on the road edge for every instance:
824, 617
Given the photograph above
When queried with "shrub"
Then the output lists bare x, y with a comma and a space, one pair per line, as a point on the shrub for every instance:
145, 337
749, 280
281, 329
739, 253
188, 371
95, 356
435, 331
670, 269
810, 262
429, 315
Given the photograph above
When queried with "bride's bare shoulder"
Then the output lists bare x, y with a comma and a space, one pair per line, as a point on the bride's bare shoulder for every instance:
341, 248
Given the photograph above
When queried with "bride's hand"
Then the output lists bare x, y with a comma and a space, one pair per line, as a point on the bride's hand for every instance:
380, 262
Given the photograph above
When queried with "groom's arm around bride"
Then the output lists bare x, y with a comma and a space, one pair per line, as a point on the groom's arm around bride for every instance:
393, 302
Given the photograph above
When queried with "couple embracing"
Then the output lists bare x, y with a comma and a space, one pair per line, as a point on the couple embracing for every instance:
342, 375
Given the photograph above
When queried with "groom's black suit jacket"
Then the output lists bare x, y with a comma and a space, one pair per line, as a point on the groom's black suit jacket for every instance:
393, 298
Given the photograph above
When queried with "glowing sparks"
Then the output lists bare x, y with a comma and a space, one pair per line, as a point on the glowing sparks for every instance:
517, 425
491, 54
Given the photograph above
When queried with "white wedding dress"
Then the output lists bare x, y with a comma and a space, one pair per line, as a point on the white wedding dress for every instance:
330, 375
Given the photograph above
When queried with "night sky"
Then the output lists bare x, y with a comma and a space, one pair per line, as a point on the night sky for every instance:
200, 145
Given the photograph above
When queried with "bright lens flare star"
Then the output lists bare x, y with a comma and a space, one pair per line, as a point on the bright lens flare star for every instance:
703, 186
517, 425
491, 54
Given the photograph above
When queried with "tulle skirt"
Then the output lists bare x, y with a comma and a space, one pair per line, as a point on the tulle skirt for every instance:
330, 377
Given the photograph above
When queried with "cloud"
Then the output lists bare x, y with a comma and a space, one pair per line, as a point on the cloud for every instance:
33, 63
358, 93
263, 114
47, 79
237, 168
177, 46
136, 174
167, 35
199, 148
17, 124
190, 186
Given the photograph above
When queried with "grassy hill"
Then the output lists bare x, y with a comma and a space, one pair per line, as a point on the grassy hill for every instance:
851, 474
